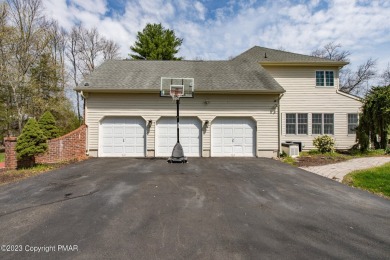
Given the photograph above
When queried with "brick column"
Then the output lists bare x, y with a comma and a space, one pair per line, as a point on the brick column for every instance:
11, 162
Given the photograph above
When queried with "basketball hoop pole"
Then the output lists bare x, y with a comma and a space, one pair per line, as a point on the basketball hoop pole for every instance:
177, 120
177, 88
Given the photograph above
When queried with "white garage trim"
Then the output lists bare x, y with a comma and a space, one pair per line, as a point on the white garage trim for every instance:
122, 137
233, 136
190, 136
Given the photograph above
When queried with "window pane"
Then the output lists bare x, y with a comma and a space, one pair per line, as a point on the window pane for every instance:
319, 78
290, 129
316, 129
317, 118
290, 118
316, 124
302, 123
302, 118
329, 78
328, 118
290, 123
352, 118
328, 129
328, 124
352, 123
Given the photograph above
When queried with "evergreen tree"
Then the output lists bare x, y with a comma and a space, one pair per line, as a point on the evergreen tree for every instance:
156, 43
374, 122
32, 141
47, 123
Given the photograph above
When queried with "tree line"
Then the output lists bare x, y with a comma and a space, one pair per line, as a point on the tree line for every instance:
40, 61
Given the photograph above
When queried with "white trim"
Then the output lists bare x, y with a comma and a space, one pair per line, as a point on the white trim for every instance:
349, 95
100, 141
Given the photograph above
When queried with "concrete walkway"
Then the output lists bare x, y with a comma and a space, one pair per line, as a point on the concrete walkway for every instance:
337, 171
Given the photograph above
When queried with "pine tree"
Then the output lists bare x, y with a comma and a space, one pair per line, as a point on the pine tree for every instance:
47, 123
32, 141
156, 43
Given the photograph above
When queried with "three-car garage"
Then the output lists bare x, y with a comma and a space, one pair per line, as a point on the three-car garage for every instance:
127, 136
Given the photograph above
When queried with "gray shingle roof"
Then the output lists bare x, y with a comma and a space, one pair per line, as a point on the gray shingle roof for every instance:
243, 73
261, 54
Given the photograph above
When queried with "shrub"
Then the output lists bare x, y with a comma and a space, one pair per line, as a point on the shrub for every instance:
31, 142
324, 144
47, 123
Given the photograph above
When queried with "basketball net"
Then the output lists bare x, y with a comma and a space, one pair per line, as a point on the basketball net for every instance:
176, 94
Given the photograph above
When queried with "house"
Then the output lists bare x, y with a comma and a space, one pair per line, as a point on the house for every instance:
246, 106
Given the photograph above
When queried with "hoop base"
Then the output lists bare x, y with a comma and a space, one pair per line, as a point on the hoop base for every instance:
177, 155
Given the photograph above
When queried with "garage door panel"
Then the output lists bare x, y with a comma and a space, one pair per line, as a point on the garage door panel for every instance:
190, 136
122, 136
232, 137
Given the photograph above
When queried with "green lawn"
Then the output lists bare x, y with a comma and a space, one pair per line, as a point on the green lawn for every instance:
2, 157
376, 180
15, 175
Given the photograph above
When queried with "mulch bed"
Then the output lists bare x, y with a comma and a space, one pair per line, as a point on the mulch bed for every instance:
316, 160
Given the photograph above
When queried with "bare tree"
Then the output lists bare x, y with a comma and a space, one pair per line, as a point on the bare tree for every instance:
385, 76
90, 46
350, 81
73, 54
332, 51
58, 41
355, 81
110, 49
30, 41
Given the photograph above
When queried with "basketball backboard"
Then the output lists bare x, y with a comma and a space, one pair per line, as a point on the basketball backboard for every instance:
183, 86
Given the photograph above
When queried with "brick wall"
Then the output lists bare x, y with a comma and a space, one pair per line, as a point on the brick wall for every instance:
10, 153
69, 147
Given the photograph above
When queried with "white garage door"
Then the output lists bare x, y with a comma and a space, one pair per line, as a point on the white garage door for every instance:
122, 136
190, 136
232, 137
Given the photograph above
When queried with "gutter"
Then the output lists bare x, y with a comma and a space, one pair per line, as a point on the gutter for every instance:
304, 63
349, 95
279, 125
157, 91
85, 119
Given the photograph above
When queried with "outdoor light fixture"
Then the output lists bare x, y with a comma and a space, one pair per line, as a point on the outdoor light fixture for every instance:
150, 123
206, 123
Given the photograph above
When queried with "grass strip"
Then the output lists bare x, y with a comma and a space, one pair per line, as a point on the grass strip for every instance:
376, 180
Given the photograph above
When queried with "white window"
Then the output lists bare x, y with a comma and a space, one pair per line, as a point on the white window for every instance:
352, 123
325, 78
322, 124
296, 123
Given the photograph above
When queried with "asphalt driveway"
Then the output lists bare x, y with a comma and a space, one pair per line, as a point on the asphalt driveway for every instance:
220, 208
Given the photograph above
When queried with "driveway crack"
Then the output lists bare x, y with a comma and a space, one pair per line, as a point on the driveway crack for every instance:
50, 203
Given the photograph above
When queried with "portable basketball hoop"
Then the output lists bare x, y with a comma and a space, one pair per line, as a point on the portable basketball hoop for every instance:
177, 88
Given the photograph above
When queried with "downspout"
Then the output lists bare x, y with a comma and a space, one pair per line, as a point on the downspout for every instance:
279, 125
85, 114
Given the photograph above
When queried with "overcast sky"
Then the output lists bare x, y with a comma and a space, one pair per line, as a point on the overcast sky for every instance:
215, 30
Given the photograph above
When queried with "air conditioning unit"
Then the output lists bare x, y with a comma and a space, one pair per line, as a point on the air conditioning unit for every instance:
291, 149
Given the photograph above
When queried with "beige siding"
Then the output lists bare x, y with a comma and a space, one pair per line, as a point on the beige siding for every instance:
302, 96
152, 107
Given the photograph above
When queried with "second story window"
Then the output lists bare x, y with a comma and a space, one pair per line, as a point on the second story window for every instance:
325, 78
